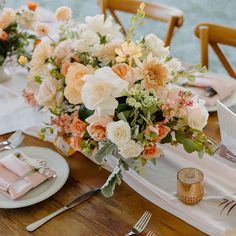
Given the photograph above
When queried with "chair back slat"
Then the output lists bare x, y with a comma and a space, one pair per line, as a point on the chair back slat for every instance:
172, 16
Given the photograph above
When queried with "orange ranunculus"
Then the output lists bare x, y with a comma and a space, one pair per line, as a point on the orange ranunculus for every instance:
4, 36
151, 151
162, 131
37, 42
151, 133
32, 5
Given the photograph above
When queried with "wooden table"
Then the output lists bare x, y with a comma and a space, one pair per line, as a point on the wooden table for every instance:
99, 215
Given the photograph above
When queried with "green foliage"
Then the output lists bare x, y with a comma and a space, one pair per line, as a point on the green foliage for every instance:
84, 113
189, 73
135, 22
44, 131
193, 140
115, 178
106, 150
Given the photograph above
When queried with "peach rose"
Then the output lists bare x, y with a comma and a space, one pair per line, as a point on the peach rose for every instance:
7, 17
151, 151
42, 29
74, 83
97, 128
63, 13
32, 6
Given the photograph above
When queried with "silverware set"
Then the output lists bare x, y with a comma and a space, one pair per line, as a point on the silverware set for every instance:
13, 141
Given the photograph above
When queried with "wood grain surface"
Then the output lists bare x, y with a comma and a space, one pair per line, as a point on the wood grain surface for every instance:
98, 216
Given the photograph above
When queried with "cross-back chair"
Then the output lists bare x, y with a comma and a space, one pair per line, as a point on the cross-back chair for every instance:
213, 35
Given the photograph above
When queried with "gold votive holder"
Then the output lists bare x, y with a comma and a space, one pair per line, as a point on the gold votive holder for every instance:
190, 185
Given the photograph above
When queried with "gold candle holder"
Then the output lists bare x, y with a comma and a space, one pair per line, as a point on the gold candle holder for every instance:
190, 185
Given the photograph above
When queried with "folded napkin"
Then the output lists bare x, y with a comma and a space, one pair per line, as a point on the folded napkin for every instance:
223, 85
19, 174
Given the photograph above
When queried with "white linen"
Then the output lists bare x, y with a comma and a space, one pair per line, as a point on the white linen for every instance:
14, 112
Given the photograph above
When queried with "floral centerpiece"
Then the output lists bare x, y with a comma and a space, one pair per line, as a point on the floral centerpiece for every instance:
15, 35
113, 96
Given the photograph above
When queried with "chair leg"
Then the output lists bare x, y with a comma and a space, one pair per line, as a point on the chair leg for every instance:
203, 35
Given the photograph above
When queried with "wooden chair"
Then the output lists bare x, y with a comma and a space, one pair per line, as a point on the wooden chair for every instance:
216, 34
172, 16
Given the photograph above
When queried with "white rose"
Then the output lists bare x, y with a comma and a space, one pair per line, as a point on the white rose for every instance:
7, 17
90, 37
100, 90
62, 50
119, 132
130, 149
156, 46
197, 114
49, 94
63, 13
99, 24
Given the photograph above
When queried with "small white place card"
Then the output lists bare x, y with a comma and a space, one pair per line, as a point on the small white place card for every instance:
227, 122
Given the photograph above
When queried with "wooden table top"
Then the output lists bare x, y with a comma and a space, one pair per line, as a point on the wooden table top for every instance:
97, 216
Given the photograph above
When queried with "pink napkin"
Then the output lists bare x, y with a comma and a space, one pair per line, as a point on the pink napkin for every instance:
18, 175
224, 86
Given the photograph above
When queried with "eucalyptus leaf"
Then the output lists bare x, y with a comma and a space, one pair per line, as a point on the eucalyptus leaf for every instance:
106, 150
115, 178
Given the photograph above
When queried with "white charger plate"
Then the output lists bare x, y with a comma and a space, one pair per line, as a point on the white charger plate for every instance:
44, 190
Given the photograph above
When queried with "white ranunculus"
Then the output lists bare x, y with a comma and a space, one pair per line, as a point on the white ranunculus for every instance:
119, 132
49, 94
156, 46
101, 90
130, 149
197, 114
62, 50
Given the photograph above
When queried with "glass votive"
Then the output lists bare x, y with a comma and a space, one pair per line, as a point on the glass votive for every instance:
190, 185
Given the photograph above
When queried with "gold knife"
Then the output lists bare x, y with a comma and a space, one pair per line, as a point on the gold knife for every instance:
82, 198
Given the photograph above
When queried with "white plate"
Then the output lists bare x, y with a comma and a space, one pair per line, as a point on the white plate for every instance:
46, 189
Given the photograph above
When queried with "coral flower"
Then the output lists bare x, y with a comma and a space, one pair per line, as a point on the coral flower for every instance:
32, 6
78, 127
151, 151
75, 143
4, 36
163, 131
